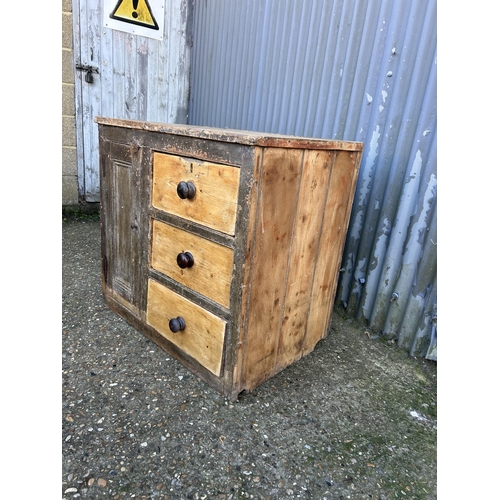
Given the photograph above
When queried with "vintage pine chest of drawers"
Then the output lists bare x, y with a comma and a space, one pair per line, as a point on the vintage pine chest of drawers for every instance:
224, 246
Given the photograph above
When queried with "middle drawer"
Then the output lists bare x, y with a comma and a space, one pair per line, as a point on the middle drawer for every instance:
207, 265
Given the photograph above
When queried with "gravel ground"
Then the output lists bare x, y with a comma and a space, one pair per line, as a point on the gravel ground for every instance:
354, 419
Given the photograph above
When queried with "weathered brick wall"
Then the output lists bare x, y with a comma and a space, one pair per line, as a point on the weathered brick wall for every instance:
69, 163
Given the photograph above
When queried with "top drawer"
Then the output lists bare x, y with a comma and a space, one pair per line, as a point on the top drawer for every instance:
212, 202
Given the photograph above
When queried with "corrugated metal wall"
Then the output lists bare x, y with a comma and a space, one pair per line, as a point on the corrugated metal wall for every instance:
361, 70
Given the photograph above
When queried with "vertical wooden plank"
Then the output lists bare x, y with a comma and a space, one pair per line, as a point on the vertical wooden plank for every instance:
274, 231
307, 230
117, 61
78, 27
242, 321
142, 159
131, 84
123, 265
91, 55
106, 72
153, 49
105, 195
143, 78
336, 219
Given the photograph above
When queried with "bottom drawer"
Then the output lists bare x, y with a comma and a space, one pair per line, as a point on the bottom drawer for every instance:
203, 335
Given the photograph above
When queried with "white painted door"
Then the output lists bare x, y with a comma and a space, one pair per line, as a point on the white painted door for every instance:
132, 61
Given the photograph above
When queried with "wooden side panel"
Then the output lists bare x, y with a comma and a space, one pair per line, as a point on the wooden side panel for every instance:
216, 199
307, 230
241, 318
336, 219
274, 230
213, 263
203, 337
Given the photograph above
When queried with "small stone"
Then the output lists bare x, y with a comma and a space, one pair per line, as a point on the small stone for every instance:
144, 444
70, 490
101, 482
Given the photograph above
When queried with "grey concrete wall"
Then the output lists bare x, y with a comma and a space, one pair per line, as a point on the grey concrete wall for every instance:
69, 164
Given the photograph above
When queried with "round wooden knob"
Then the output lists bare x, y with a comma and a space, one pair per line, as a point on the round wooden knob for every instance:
186, 190
185, 259
177, 324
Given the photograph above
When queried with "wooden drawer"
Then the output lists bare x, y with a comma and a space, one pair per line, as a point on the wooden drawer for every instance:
211, 272
215, 201
203, 335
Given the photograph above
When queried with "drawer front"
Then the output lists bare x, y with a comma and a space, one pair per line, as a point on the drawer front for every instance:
203, 335
216, 191
211, 272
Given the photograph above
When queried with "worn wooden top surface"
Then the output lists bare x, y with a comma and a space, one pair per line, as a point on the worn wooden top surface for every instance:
235, 136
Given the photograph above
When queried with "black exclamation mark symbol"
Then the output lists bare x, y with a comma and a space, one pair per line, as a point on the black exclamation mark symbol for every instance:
135, 3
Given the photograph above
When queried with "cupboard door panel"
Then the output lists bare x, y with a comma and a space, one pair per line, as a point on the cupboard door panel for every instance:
123, 224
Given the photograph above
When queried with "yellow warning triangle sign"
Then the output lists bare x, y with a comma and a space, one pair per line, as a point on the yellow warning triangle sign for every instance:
135, 12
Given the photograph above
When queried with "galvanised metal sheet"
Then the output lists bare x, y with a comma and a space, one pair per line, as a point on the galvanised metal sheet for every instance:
351, 70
